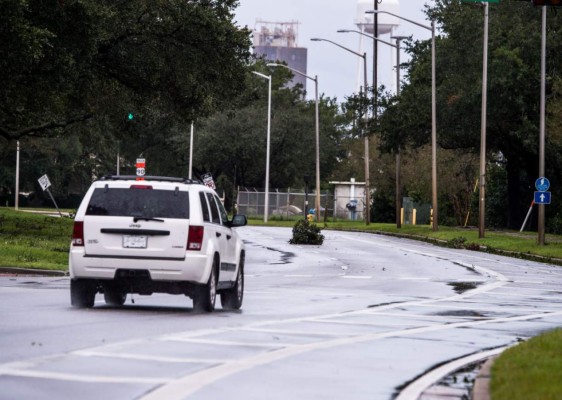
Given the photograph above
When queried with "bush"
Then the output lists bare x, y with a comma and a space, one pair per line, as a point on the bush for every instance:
306, 233
457, 243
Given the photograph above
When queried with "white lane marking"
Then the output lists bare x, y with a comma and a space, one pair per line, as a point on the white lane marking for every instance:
225, 342
294, 332
498, 308
82, 378
526, 296
429, 316
415, 389
356, 277
412, 278
361, 323
184, 387
142, 357
298, 276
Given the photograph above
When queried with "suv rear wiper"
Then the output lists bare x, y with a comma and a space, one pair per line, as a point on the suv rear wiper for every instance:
136, 219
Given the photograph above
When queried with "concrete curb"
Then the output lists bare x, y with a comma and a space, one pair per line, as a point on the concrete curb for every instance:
481, 388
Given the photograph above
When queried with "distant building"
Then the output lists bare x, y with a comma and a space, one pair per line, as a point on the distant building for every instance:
277, 41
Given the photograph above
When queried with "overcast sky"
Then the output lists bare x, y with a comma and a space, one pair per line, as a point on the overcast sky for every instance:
336, 68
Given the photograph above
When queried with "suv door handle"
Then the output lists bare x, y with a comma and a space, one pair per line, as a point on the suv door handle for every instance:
218, 234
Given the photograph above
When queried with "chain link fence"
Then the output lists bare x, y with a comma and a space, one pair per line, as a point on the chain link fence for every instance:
291, 204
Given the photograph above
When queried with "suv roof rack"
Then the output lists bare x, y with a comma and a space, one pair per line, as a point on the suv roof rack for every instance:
149, 178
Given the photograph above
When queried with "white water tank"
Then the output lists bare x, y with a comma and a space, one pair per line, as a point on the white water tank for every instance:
386, 22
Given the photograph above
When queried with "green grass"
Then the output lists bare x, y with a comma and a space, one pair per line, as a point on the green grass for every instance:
530, 371
33, 240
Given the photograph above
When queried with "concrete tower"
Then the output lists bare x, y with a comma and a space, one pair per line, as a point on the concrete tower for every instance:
386, 26
277, 41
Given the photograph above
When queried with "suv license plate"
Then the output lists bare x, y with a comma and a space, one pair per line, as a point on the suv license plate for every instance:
134, 242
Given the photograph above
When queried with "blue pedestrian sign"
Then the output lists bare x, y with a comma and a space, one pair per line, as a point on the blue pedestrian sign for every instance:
542, 184
542, 197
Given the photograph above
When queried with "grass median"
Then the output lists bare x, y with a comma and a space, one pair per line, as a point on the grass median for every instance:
530, 371
36, 241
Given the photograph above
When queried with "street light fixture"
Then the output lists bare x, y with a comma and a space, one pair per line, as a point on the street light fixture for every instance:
266, 205
315, 79
433, 111
367, 182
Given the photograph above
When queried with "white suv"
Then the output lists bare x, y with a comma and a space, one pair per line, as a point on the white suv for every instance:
157, 235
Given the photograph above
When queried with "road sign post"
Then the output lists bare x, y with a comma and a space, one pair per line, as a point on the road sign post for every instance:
45, 183
542, 198
542, 184
141, 169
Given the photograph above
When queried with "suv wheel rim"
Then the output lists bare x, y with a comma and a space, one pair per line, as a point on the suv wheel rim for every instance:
213, 287
239, 286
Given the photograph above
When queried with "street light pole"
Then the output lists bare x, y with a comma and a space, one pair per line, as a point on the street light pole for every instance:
191, 151
482, 184
433, 112
397, 47
398, 183
266, 203
17, 199
366, 136
317, 118
542, 127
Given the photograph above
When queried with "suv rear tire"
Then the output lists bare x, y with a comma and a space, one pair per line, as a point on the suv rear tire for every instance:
231, 299
205, 296
82, 293
114, 296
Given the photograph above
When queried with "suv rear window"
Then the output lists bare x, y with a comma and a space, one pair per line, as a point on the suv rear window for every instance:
124, 202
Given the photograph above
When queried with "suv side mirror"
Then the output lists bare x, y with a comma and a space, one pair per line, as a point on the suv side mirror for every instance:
238, 220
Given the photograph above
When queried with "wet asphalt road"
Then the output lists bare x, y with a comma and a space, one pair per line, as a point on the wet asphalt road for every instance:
361, 317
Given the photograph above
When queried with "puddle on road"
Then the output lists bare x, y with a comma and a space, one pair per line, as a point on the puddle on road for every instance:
461, 287
461, 313
286, 256
384, 304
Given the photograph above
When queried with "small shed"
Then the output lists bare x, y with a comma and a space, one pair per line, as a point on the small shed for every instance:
349, 199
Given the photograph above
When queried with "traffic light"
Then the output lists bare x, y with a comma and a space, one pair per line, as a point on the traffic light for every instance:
130, 116
554, 3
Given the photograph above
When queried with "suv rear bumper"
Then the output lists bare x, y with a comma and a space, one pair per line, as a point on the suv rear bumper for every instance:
194, 269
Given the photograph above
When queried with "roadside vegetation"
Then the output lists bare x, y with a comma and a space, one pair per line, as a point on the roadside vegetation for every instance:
512, 243
530, 371
35, 241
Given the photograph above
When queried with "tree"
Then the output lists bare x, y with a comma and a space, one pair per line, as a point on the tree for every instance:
64, 62
71, 71
513, 90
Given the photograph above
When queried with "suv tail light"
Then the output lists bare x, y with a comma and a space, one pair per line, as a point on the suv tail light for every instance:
195, 237
78, 233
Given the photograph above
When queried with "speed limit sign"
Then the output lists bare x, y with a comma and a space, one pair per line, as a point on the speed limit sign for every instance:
141, 168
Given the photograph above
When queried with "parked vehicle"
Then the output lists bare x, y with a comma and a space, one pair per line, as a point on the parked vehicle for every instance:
157, 235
